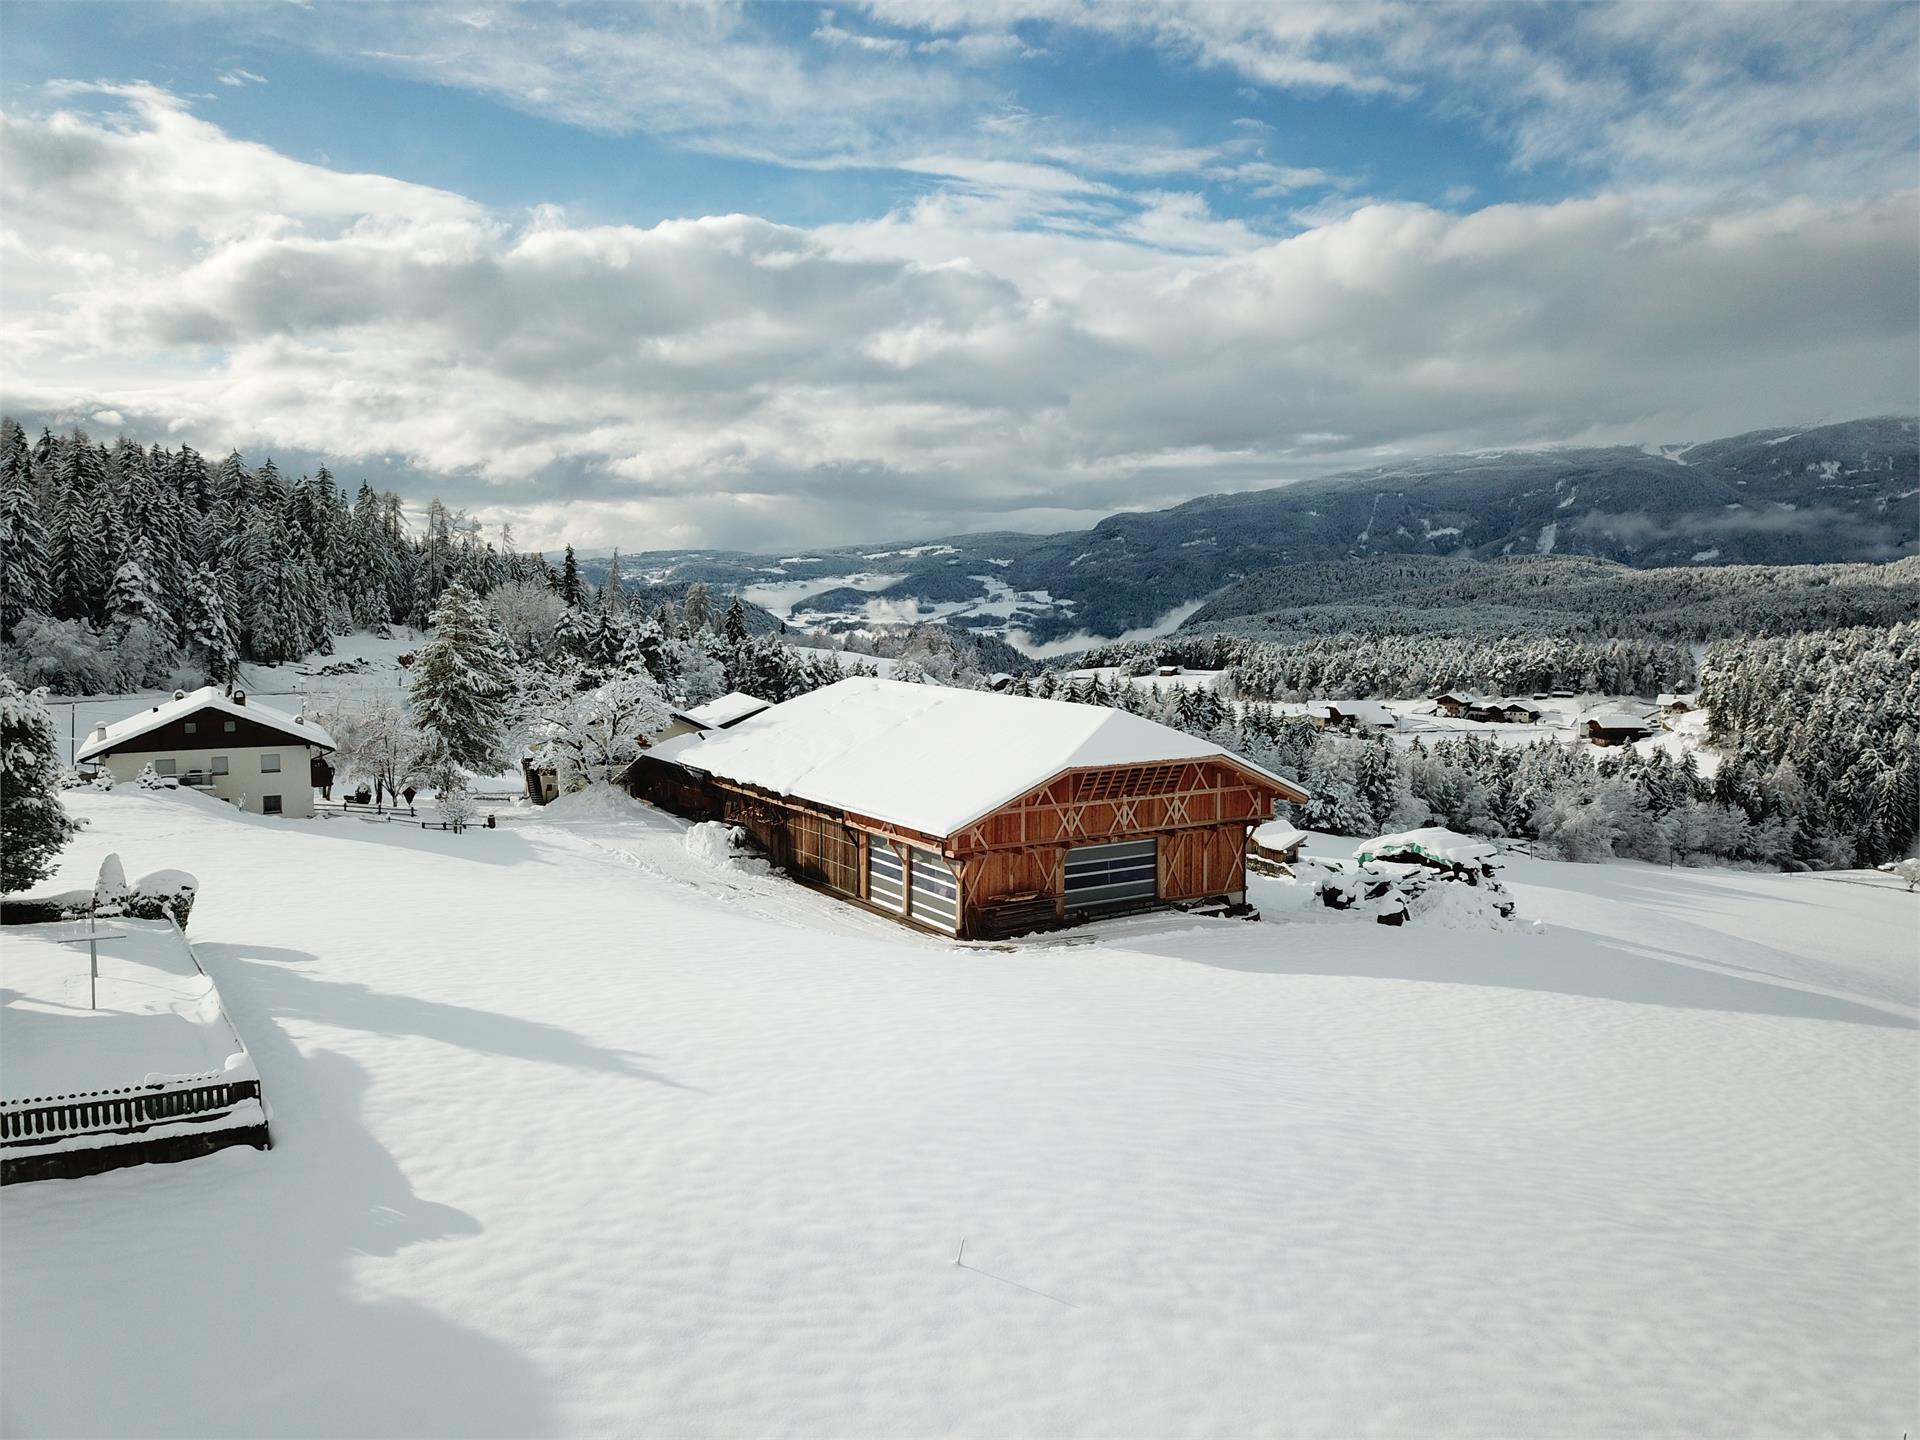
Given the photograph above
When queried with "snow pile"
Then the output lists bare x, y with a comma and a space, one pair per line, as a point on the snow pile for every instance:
1431, 875
724, 847
594, 802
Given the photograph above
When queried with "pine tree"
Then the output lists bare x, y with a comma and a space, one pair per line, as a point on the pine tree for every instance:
209, 627
613, 595
23, 553
570, 580
79, 554
734, 627
34, 826
133, 598
461, 682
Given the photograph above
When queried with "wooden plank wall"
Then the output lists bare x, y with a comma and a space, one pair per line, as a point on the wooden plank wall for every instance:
1199, 811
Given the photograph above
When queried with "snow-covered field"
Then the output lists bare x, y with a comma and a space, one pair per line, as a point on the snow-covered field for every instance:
578, 1133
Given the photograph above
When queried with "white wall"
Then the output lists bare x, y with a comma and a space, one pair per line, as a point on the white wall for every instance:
244, 783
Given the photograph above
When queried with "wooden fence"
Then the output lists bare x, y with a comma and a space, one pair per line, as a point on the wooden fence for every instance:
124, 1111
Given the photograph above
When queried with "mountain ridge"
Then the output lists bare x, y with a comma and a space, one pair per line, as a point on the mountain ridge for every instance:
1837, 493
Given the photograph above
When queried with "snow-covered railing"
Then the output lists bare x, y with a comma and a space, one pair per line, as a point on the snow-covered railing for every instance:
45, 1118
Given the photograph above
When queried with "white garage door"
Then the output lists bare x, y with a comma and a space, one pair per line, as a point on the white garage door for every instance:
936, 894
886, 879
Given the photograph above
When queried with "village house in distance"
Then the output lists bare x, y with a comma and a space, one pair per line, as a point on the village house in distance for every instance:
969, 813
249, 755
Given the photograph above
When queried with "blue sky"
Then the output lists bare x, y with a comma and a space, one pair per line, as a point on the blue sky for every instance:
786, 274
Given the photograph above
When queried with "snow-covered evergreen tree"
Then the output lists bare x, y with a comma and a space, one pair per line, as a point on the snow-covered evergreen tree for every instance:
34, 826
24, 587
209, 628
462, 681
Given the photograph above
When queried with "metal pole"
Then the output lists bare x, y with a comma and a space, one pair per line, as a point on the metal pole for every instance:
93, 961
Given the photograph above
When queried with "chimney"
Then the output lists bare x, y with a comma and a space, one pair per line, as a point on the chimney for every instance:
239, 697
179, 694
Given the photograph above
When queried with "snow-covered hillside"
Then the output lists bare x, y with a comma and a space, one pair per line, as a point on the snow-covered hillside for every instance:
577, 1133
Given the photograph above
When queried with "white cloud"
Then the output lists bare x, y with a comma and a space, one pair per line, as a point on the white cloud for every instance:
238, 78
975, 359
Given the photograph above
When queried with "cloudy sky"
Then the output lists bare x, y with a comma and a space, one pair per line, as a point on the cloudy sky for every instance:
715, 275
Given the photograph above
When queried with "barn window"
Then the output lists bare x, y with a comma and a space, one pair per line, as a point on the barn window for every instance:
1117, 874
936, 894
886, 880
1124, 784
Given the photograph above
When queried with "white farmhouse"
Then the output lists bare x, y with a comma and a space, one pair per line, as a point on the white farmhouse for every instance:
248, 755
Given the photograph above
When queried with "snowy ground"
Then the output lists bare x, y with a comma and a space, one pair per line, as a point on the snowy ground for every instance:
576, 1133
157, 1016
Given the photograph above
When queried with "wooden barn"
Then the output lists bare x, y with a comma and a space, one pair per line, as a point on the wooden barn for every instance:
972, 813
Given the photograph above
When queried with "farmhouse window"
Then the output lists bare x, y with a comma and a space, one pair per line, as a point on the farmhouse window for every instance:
218, 765
163, 766
269, 764
269, 804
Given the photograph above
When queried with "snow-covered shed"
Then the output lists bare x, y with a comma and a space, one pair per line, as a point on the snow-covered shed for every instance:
1274, 845
541, 770
245, 753
1505, 710
1617, 727
722, 714
1351, 715
969, 812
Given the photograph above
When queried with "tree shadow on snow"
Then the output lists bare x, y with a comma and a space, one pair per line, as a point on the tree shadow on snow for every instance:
1555, 961
267, 976
499, 846
221, 1296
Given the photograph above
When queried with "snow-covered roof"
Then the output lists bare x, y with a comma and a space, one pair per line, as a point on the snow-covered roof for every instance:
1618, 720
928, 757
729, 709
1509, 702
206, 698
1435, 841
1277, 835
1678, 697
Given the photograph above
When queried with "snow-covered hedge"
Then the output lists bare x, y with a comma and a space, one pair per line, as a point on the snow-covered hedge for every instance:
162, 895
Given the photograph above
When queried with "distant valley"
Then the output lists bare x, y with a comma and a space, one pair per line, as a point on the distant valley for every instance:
1846, 492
